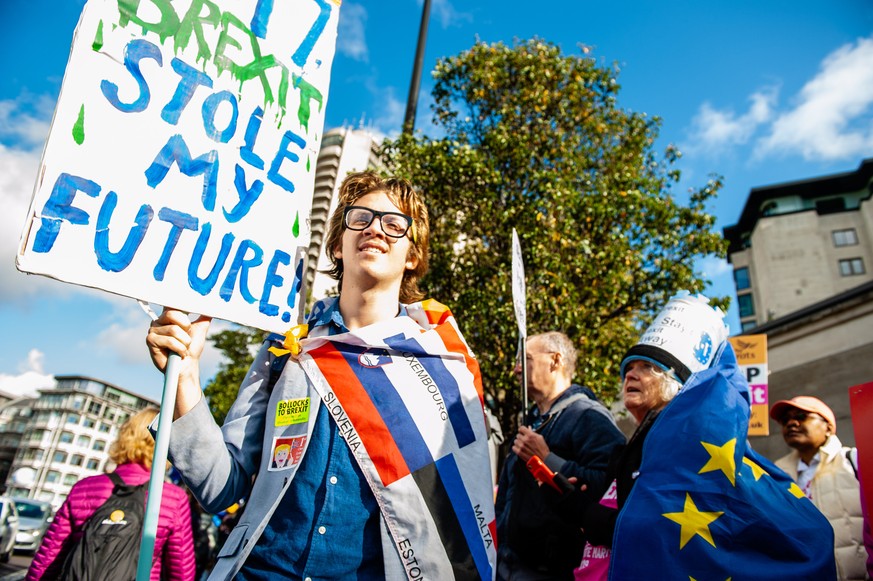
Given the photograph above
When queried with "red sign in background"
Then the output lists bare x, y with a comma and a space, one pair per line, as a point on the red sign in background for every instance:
861, 402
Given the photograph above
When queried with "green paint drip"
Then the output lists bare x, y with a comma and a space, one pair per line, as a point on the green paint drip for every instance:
296, 229
98, 38
79, 127
307, 163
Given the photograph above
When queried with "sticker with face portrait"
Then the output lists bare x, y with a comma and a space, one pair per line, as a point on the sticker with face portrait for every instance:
287, 452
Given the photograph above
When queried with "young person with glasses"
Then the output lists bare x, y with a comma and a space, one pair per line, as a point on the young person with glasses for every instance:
827, 472
376, 415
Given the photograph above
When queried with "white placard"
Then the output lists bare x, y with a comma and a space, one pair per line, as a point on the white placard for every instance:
179, 167
519, 296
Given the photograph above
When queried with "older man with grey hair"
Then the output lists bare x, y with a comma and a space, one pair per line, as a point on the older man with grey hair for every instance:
573, 434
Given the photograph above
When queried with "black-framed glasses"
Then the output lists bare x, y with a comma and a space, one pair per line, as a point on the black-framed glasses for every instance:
394, 224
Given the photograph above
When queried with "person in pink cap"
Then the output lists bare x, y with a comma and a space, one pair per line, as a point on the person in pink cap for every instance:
827, 472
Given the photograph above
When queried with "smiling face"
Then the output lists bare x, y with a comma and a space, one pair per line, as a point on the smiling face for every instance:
642, 389
371, 257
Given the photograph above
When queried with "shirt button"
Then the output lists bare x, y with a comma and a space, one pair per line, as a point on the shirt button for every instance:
308, 579
333, 479
321, 530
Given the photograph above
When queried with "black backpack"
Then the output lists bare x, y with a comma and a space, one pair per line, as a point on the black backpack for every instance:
109, 546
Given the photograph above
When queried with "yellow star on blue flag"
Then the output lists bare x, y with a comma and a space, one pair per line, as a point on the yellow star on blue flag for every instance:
693, 522
721, 458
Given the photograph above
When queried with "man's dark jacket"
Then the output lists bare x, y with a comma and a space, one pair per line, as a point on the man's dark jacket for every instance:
581, 435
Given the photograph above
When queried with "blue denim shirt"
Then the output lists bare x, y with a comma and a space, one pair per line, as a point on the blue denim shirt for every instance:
327, 524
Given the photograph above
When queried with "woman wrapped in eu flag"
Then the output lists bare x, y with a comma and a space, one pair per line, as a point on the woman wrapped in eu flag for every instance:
689, 497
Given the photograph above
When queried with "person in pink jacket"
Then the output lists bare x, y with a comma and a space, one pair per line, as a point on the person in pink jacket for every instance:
132, 452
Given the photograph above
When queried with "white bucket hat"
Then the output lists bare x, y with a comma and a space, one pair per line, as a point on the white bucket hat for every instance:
683, 338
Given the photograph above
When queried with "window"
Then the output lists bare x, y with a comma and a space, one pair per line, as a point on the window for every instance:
92, 464
105, 428
88, 423
59, 457
36, 436
94, 408
70, 479
83, 441
851, 267
746, 304
72, 418
741, 278
847, 237
109, 413
99, 445
34, 454
52, 476
76, 460
66, 438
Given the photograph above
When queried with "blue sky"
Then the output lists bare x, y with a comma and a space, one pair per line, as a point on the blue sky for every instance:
758, 92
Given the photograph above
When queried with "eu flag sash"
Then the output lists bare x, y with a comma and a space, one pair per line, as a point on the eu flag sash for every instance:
707, 507
407, 396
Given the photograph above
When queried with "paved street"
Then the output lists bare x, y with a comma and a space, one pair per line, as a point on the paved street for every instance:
15, 568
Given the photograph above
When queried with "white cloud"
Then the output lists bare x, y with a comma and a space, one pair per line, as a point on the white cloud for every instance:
30, 379
26, 384
832, 117
712, 268
21, 139
17, 176
714, 130
125, 336
34, 361
447, 15
351, 40
25, 121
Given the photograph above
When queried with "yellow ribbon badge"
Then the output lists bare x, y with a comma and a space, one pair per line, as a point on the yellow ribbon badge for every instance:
291, 343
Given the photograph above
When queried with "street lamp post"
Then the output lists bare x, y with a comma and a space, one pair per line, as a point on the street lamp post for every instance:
415, 82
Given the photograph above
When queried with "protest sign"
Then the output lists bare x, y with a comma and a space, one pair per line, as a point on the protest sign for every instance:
861, 404
751, 351
519, 304
179, 167
519, 293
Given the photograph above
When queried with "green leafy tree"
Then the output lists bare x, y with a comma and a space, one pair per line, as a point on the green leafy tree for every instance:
535, 140
238, 347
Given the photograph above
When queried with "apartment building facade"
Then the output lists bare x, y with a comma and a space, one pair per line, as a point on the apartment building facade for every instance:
801, 242
63, 435
802, 254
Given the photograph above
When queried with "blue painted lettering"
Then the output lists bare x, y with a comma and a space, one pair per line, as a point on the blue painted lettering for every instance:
58, 207
273, 280
281, 155
189, 79
247, 196
210, 106
179, 221
205, 285
135, 51
118, 261
176, 151
242, 265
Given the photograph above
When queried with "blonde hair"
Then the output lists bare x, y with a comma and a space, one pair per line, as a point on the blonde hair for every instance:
403, 195
135, 442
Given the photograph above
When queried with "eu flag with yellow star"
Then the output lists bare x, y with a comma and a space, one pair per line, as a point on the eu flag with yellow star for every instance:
707, 507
